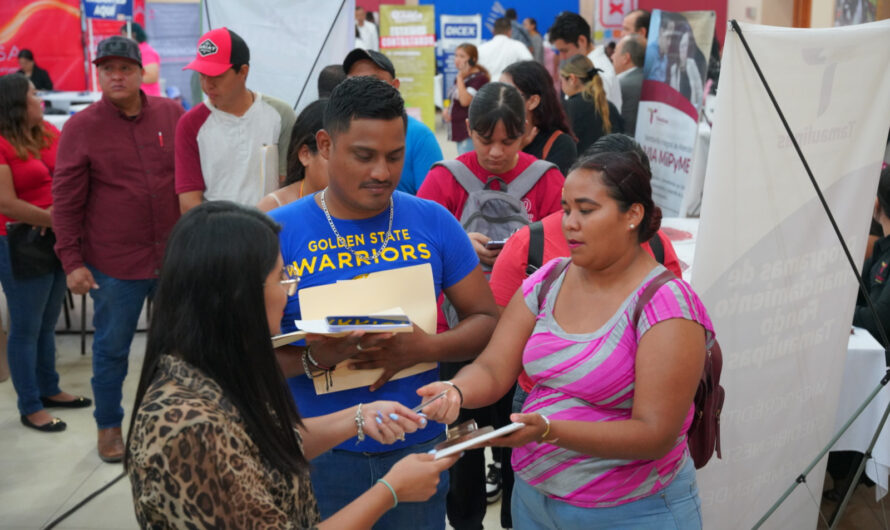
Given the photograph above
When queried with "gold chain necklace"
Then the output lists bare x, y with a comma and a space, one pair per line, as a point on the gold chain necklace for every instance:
342, 240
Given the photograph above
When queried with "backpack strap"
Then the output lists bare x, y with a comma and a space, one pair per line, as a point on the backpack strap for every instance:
462, 174
657, 247
525, 181
649, 292
549, 144
551, 277
535, 247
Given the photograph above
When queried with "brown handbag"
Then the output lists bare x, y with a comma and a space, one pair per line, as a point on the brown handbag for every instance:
703, 437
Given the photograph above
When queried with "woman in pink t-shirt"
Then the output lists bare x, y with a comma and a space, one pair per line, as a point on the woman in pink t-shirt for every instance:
27, 158
151, 61
604, 442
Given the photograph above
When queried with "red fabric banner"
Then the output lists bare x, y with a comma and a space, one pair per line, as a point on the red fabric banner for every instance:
50, 29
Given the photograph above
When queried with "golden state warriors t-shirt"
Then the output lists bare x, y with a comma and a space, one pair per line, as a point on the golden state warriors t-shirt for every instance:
422, 231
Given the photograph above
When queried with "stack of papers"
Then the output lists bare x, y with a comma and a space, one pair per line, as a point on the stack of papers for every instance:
410, 289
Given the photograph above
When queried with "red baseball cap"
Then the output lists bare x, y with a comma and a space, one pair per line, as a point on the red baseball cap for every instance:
219, 50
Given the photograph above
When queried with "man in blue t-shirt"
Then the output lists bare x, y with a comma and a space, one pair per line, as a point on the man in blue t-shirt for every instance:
358, 225
421, 148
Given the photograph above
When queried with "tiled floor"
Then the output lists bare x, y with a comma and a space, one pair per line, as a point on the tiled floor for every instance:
861, 513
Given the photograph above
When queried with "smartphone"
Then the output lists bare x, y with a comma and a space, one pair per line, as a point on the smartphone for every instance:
496, 245
467, 439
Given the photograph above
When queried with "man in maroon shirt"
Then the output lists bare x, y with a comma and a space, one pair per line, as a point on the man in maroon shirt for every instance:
113, 207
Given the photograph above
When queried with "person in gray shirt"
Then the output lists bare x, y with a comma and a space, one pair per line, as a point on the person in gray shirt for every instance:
531, 27
628, 62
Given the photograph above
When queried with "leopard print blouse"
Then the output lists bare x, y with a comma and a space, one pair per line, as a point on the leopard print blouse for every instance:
192, 464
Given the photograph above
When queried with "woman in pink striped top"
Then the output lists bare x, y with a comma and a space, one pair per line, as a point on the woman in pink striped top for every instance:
605, 439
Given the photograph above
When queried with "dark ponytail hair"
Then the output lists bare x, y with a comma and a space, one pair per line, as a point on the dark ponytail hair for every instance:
532, 79
628, 182
497, 102
209, 310
309, 122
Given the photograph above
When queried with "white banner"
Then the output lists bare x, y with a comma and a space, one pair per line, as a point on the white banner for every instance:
455, 30
290, 41
768, 265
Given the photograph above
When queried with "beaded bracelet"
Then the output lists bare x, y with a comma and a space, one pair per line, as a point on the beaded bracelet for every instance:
359, 424
461, 394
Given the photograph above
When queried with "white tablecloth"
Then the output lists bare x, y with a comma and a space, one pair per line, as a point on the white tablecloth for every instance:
64, 100
58, 120
862, 372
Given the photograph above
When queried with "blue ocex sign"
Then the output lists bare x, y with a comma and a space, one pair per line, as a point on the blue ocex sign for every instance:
461, 31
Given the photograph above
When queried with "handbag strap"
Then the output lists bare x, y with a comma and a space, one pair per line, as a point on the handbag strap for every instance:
549, 144
649, 292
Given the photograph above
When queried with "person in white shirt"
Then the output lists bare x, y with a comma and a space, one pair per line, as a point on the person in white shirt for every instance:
502, 51
570, 35
367, 30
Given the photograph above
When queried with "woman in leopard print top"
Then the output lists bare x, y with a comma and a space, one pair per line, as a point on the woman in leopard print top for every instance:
215, 440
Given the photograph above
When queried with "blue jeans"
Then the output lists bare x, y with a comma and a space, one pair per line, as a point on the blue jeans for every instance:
339, 477
519, 397
465, 146
34, 307
676, 506
117, 305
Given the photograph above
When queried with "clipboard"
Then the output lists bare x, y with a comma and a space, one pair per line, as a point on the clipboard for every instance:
410, 288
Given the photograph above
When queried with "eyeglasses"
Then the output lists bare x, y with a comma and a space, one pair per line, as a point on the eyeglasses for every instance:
290, 283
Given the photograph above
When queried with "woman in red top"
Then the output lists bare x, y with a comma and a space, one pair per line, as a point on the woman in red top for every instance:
496, 125
27, 158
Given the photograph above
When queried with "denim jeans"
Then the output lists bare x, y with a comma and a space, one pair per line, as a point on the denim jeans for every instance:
339, 477
117, 305
34, 307
465, 146
676, 506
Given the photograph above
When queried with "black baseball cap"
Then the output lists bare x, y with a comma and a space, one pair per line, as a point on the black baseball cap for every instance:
360, 54
118, 47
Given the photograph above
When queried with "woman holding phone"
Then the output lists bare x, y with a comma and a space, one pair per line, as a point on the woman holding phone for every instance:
497, 123
470, 78
604, 441
215, 439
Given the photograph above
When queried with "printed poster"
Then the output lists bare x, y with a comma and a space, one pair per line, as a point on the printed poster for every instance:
408, 38
674, 72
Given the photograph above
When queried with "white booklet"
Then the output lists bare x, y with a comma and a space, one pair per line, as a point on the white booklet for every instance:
472, 439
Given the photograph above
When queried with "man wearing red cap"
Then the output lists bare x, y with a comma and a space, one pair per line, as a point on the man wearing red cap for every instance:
225, 146
113, 208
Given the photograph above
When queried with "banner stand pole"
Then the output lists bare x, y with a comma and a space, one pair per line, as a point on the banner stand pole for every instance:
320, 51
83, 44
95, 82
802, 478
